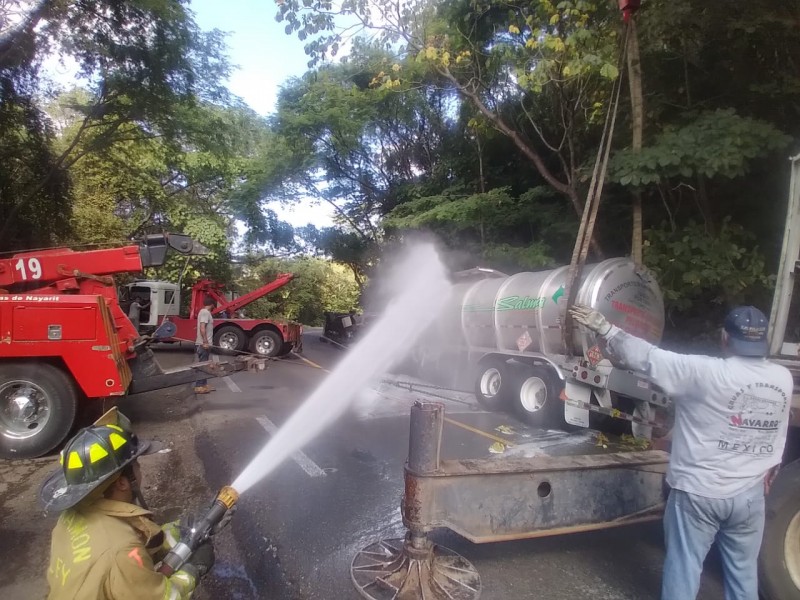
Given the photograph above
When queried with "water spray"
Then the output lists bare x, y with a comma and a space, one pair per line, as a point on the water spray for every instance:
210, 523
422, 289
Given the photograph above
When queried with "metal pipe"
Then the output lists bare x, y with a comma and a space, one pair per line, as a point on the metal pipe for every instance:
425, 437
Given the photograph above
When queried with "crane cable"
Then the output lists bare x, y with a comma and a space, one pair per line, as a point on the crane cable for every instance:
592, 204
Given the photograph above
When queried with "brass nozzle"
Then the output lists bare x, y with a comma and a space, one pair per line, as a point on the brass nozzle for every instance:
228, 496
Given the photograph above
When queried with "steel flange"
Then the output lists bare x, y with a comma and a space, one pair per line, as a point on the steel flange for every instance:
397, 569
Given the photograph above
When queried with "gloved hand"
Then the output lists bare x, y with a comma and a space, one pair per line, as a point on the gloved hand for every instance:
202, 558
590, 318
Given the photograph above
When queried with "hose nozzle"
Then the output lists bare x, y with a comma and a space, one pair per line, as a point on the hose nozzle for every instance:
228, 496
211, 522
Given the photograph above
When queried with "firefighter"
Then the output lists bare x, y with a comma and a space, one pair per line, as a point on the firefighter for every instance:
731, 419
105, 544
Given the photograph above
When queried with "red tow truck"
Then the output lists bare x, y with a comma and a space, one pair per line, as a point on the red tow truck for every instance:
232, 332
64, 339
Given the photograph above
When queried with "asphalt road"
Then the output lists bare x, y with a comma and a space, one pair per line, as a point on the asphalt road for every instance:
296, 532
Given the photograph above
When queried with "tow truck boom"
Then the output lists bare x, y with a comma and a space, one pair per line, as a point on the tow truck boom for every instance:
206, 287
63, 269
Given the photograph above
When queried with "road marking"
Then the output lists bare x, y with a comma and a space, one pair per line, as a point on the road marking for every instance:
464, 426
311, 468
312, 363
228, 381
505, 442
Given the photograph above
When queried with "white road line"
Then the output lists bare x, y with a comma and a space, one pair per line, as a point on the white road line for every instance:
311, 468
228, 381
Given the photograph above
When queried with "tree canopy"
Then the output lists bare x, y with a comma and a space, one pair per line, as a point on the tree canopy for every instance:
520, 91
477, 121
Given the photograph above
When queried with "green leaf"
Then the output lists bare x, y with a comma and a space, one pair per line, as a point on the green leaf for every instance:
609, 71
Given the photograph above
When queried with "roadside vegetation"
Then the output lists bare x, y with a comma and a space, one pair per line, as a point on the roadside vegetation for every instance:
476, 120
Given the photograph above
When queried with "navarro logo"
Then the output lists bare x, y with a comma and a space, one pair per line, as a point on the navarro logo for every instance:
738, 421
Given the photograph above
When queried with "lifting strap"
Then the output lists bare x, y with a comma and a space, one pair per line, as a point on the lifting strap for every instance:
590, 208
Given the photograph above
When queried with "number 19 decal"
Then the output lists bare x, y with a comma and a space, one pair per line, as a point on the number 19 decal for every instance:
33, 270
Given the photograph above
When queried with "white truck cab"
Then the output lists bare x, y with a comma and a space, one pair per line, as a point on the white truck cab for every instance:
163, 298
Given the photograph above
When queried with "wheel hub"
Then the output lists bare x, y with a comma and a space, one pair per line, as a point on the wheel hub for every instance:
24, 408
264, 345
490, 382
229, 341
396, 569
533, 394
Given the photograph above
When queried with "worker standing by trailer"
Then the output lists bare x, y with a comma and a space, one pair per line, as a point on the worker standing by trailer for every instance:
731, 421
205, 327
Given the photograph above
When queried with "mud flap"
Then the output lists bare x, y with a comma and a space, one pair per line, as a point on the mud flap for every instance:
575, 394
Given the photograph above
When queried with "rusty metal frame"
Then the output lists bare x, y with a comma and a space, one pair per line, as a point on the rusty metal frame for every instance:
492, 500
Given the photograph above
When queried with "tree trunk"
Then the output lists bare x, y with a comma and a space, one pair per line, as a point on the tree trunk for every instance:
637, 121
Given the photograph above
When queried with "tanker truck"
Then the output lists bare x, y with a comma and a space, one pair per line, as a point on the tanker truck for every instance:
504, 333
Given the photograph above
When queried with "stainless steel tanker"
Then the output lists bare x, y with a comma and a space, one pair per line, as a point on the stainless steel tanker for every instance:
508, 329
523, 312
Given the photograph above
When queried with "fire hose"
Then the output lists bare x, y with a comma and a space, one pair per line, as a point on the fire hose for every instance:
199, 532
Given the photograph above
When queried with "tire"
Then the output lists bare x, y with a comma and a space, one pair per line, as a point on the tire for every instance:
492, 384
266, 343
38, 403
229, 339
535, 398
779, 560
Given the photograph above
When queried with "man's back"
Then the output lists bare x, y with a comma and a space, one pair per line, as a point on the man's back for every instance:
731, 419
731, 415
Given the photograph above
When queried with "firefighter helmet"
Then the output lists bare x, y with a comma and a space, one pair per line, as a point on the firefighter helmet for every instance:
91, 458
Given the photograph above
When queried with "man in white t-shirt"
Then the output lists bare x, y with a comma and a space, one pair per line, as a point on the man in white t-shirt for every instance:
731, 419
205, 333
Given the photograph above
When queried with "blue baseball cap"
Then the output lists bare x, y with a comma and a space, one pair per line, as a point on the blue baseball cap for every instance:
746, 327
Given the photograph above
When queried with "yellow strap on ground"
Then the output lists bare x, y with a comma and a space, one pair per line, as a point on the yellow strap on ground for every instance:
478, 431
312, 363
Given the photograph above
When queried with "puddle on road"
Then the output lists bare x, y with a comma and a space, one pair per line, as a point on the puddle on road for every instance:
551, 442
231, 581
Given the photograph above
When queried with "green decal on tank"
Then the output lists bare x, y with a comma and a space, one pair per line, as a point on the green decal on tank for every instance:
520, 303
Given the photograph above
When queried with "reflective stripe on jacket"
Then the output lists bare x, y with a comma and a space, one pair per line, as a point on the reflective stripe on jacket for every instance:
104, 550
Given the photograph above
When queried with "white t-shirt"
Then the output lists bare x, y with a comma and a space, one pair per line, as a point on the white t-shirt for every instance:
731, 414
204, 316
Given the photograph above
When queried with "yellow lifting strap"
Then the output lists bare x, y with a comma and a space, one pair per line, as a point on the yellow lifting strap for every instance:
590, 208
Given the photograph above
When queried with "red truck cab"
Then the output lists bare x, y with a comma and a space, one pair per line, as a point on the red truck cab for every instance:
233, 333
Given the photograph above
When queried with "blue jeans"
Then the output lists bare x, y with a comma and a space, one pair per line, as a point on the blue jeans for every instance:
202, 355
692, 523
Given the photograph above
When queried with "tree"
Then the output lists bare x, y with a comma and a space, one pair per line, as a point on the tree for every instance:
538, 72
144, 184
320, 286
144, 60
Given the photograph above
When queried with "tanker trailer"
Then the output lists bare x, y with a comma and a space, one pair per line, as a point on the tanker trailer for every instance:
507, 331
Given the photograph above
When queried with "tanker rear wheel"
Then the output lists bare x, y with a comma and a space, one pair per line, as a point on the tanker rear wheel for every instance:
493, 384
536, 399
